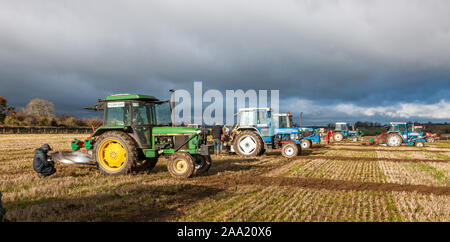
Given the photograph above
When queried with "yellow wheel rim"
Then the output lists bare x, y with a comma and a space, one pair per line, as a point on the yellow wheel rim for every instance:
180, 165
112, 155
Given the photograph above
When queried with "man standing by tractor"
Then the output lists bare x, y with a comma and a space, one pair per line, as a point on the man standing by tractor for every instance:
217, 132
41, 163
328, 136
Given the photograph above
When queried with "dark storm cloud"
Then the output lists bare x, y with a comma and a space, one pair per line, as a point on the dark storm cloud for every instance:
367, 53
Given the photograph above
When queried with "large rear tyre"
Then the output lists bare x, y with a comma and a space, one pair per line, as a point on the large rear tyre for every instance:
202, 163
289, 150
181, 165
248, 143
394, 139
115, 152
338, 136
305, 144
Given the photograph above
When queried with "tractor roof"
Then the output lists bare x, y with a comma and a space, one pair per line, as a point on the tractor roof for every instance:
397, 122
118, 97
252, 109
130, 97
282, 114
340, 123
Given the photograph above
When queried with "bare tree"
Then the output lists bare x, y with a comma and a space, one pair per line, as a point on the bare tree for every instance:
40, 107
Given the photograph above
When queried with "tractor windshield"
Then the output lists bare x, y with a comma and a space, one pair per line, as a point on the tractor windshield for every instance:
340, 126
117, 113
283, 122
141, 114
254, 117
418, 129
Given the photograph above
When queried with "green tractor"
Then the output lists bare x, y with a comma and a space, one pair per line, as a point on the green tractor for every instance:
136, 131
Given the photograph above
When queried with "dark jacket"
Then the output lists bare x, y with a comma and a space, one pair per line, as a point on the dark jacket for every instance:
40, 161
217, 132
2, 209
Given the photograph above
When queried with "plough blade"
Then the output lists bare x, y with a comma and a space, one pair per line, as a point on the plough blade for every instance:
73, 158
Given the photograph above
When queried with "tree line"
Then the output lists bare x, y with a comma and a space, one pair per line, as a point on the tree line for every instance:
40, 112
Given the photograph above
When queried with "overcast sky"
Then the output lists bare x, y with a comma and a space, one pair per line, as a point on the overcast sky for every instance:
346, 60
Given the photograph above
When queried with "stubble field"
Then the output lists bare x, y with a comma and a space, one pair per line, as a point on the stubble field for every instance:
341, 182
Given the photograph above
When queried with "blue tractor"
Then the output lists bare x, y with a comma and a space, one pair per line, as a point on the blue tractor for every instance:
309, 136
403, 132
258, 131
286, 132
341, 132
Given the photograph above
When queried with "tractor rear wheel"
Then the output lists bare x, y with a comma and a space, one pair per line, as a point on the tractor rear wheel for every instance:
290, 150
338, 136
419, 144
181, 165
248, 143
202, 163
115, 152
305, 144
394, 139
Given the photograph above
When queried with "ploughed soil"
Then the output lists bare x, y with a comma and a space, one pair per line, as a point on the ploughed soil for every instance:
319, 183
368, 159
388, 150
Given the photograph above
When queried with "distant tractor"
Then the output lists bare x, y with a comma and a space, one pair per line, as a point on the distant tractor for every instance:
137, 130
341, 132
402, 132
309, 136
428, 136
258, 131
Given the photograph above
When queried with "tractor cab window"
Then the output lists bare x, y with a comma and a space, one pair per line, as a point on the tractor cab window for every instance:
140, 113
283, 122
163, 113
246, 118
341, 127
393, 128
117, 113
276, 122
402, 127
261, 118
418, 129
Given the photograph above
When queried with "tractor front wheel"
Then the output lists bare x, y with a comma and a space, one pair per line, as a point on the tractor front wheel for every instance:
181, 165
394, 139
290, 150
115, 152
305, 144
338, 136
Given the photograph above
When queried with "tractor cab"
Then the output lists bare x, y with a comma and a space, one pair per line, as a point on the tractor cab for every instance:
282, 120
137, 112
257, 119
341, 127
